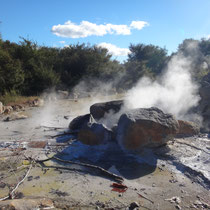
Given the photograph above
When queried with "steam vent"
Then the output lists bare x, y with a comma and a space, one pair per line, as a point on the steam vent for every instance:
131, 129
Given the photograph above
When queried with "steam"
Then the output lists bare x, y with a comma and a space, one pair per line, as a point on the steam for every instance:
174, 92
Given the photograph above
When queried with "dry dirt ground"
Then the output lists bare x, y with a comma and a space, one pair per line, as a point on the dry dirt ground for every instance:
176, 176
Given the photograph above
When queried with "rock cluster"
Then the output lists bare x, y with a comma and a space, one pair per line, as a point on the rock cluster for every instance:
18, 107
135, 128
5, 109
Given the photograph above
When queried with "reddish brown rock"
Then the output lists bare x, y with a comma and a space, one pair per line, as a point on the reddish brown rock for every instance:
145, 127
94, 134
187, 128
37, 144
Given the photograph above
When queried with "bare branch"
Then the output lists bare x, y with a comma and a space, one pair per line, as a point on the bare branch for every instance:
11, 194
103, 171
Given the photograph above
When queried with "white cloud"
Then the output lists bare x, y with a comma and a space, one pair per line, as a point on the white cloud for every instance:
62, 42
86, 28
114, 50
138, 24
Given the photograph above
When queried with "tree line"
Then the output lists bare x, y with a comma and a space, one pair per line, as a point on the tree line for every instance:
28, 69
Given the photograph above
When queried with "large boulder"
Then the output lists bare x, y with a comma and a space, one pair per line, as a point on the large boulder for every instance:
142, 127
79, 122
187, 128
94, 134
98, 110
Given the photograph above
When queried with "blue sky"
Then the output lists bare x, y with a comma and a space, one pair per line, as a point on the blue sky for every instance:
110, 23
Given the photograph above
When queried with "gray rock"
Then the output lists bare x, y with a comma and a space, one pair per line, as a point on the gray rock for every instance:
79, 122
133, 205
145, 127
98, 110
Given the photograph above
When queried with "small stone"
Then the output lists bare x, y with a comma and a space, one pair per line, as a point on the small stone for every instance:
153, 185
197, 203
193, 206
133, 205
30, 178
178, 207
174, 199
2, 185
120, 195
37, 177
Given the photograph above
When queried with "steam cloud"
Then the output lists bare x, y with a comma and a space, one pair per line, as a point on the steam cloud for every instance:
174, 92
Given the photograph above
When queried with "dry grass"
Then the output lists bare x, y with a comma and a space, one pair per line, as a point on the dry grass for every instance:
12, 99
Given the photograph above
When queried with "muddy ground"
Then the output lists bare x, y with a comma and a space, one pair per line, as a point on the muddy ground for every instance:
176, 176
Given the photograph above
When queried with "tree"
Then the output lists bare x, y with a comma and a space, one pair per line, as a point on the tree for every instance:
11, 74
153, 57
198, 52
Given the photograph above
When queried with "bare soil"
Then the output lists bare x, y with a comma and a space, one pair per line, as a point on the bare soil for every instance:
172, 177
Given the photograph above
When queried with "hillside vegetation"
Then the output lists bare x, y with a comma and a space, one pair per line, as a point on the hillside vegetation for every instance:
28, 69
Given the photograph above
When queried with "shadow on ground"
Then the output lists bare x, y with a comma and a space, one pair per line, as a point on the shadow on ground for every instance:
110, 157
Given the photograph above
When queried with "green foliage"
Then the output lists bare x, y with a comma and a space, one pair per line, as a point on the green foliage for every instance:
153, 57
29, 69
144, 60
11, 74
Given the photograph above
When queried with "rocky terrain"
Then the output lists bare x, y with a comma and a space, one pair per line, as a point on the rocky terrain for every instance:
44, 166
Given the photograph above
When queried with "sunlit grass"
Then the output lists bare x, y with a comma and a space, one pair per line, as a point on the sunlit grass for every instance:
10, 99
